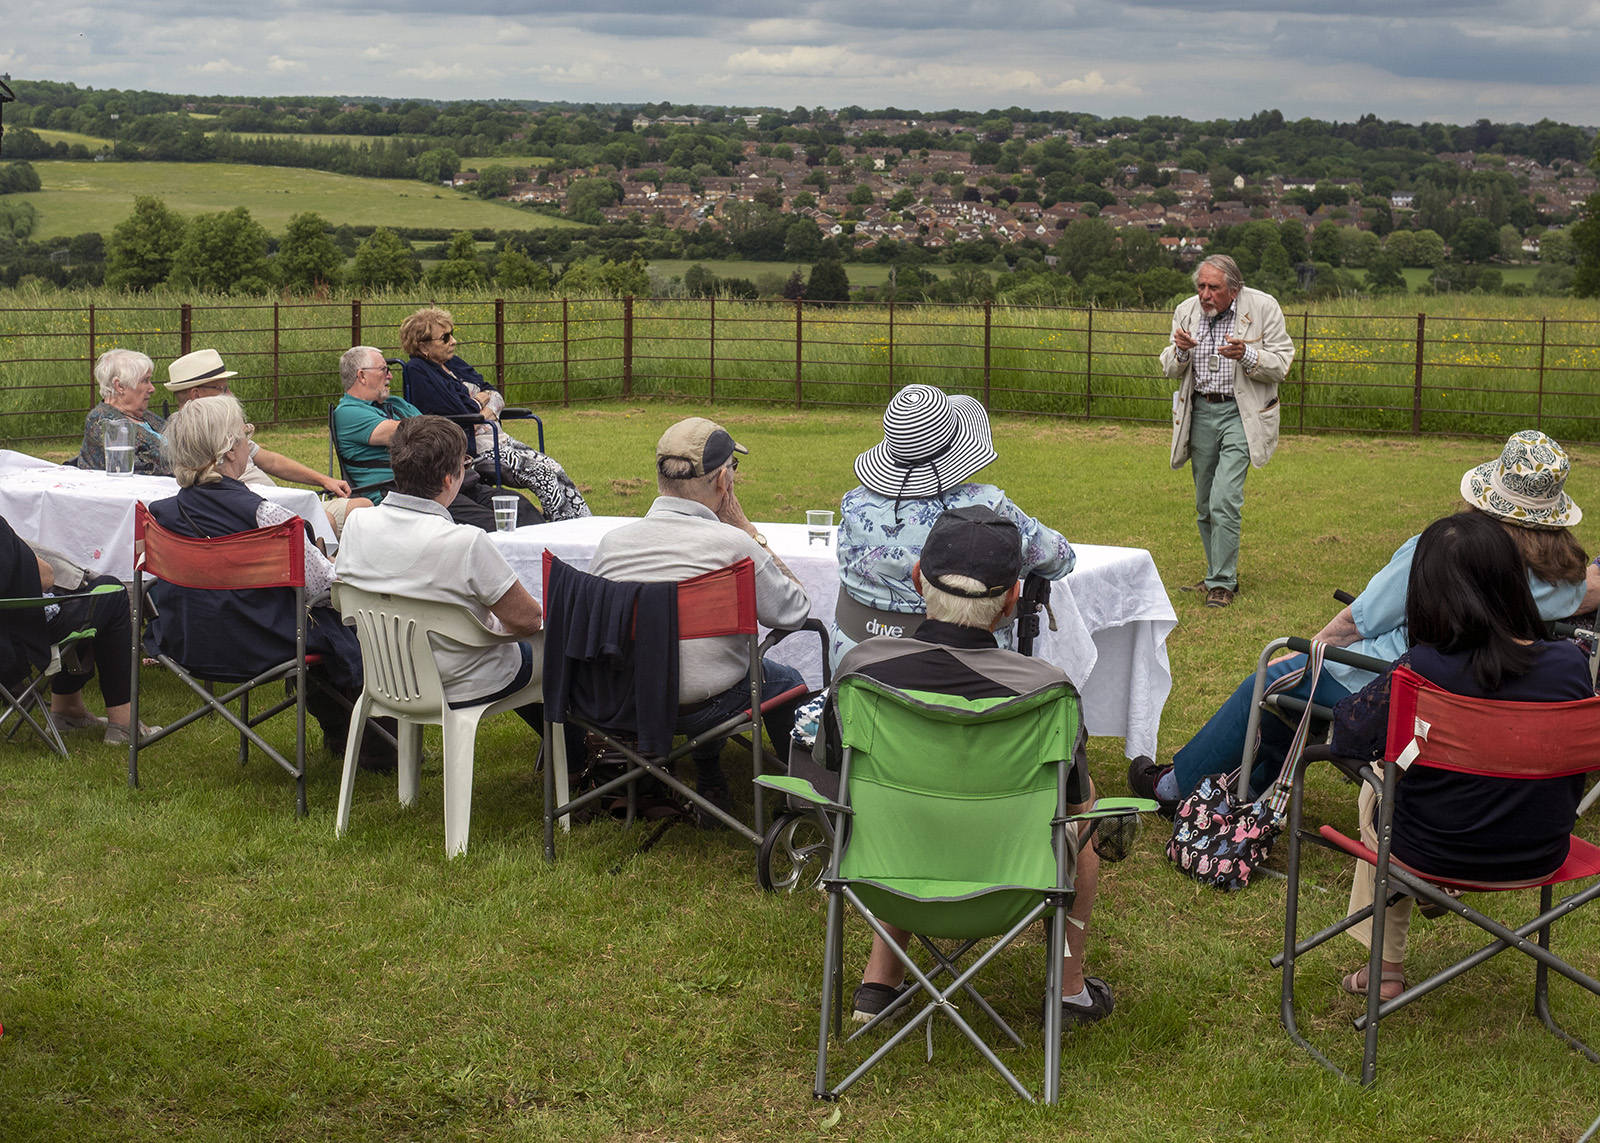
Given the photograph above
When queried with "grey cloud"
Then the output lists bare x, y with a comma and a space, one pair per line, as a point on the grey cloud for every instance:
1430, 52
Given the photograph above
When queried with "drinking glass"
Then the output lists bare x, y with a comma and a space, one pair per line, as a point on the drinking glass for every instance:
119, 448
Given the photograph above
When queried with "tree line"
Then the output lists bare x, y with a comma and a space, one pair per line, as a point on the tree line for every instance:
1089, 262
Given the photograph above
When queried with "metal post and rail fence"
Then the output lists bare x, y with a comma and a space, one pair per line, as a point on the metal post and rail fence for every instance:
1371, 374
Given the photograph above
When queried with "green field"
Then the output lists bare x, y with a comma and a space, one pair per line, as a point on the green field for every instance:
93, 142
80, 197
1418, 275
861, 273
484, 162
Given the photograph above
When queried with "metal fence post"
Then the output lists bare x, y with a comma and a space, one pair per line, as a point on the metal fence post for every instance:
94, 388
355, 321
566, 357
1088, 364
988, 339
627, 346
1538, 409
185, 327
712, 348
891, 346
1416, 391
277, 414
1305, 352
799, 342
500, 343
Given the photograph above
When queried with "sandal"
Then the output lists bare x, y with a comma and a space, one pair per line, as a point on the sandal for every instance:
1432, 909
1356, 985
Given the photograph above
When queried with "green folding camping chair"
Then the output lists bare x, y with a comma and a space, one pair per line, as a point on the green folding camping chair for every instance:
33, 692
952, 823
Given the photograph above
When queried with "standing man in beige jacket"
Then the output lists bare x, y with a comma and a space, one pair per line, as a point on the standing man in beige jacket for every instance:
1229, 350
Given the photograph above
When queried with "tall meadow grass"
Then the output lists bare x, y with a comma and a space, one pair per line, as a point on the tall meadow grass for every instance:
1463, 365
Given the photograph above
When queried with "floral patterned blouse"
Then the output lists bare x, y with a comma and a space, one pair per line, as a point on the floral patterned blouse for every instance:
880, 538
147, 458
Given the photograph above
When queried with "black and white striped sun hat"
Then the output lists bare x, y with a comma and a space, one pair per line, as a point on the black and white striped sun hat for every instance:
930, 445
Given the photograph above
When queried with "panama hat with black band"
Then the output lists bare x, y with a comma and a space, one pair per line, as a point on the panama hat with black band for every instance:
930, 445
196, 368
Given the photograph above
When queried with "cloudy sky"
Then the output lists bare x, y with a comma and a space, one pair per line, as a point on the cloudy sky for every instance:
1425, 60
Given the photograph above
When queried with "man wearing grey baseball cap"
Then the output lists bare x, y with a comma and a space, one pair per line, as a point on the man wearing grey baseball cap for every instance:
697, 525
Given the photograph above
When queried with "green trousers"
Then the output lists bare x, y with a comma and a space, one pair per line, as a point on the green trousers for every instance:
1220, 456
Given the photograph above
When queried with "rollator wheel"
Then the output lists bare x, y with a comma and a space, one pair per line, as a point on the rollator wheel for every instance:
794, 854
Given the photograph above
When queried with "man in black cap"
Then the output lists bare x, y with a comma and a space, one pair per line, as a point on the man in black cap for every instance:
968, 578
697, 525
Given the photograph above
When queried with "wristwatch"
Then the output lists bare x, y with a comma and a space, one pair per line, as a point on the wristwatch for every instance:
760, 539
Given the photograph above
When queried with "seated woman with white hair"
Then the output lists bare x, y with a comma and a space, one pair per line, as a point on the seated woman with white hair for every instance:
124, 377
239, 634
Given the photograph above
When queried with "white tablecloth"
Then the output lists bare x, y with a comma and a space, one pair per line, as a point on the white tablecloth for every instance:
88, 516
1112, 617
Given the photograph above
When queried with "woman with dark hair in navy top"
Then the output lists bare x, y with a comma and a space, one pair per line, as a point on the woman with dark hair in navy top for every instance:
1475, 631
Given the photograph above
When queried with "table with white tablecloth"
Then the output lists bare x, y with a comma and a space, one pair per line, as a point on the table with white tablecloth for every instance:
1112, 617
87, 516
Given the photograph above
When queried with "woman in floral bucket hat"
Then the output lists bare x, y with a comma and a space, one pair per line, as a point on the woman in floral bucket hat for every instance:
1523, 488
933, 444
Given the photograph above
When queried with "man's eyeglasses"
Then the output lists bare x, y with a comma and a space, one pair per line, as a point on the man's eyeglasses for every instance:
384, 368
733, 464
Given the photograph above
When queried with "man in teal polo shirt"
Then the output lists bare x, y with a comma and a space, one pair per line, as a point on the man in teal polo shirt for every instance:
364, 422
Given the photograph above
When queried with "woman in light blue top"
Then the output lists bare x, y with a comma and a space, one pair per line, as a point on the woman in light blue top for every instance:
933, 444
1523, 488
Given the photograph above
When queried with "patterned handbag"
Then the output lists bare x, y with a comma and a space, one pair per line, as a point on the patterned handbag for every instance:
1221, 842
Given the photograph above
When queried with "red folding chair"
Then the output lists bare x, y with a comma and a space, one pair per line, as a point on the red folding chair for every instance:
1430, 727
271, 557
717, 603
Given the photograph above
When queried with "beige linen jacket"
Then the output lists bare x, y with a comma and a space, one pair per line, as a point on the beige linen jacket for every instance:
1257, 315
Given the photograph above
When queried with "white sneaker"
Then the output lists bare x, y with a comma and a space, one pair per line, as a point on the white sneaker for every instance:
69, 722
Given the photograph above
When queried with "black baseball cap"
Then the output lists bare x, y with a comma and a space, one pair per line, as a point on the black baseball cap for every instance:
976, 542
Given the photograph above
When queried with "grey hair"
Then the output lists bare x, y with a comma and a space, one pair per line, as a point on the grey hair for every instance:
353, 360
199, 435
673, 479
125, 365
1230, 271
959, 609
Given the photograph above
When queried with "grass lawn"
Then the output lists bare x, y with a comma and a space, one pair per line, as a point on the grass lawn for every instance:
188, 959
79, 197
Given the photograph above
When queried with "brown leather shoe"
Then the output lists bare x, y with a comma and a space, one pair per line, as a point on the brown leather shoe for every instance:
1219, 597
